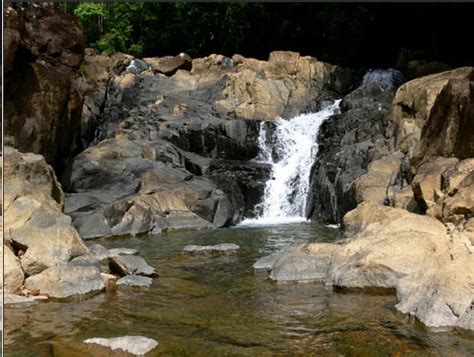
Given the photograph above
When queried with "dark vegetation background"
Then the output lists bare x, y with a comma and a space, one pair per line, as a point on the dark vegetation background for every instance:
355, 35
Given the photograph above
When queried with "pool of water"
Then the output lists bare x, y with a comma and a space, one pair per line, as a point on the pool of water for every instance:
218, 306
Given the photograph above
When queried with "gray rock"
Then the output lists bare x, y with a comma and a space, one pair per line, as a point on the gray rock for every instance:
67, 281
130, 265
86, 260
135, 280
266, 262
122, 251
12, 300
136, 345
218, 249
100, 252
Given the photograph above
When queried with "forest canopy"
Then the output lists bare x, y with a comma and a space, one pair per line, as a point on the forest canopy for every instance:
348, 34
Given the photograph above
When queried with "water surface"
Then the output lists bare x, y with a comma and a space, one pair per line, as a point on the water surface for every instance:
220, 307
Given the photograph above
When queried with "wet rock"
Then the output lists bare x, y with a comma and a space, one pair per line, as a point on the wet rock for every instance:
13, 276
136, 345
67, 281
131, 265
135, 280
218, 249
347, 144
33, 216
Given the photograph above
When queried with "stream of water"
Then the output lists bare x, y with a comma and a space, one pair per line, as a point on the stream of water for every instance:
221, 307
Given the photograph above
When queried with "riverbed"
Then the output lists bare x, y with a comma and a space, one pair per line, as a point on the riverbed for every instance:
218, 306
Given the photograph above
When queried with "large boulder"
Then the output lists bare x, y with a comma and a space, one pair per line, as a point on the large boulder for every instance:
392, 249
45, 48
33, 214
63, 282
129, 187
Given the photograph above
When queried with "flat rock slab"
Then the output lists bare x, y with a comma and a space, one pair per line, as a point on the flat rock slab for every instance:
218, 249
122, 251
130, 265
267, 262
136, 345
135, 280
67, 281
12, 300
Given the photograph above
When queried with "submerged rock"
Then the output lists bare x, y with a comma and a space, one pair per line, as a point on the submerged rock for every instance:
130, 265
135, 280
67, 281
136, 345
218, 249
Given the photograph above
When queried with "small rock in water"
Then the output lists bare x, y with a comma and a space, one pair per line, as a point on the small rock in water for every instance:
136, 345
130, 265
218, 249
135, 280
122, 251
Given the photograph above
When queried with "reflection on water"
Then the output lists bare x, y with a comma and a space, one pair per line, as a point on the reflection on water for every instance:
219, 306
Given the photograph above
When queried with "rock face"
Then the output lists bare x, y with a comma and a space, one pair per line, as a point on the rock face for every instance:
389, 248
373, 151
174, 150
34, 220
67, 281
349, 143
44, 49
136, 345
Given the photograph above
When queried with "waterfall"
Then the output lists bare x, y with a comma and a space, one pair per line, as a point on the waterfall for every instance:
291, 150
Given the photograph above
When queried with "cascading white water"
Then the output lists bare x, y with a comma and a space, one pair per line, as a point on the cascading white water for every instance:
295, 143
